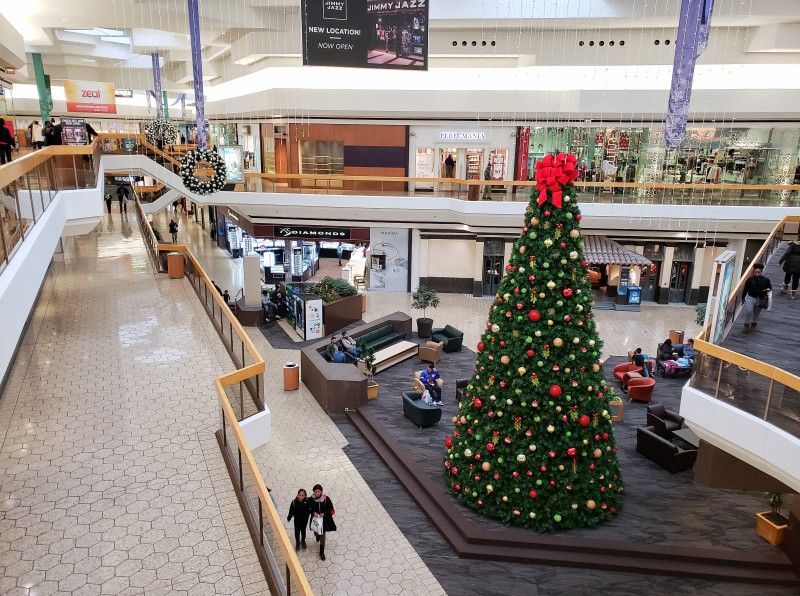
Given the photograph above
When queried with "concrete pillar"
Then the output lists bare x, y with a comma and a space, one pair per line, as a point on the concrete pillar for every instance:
477, 277
415, 257
666, 269
251, 268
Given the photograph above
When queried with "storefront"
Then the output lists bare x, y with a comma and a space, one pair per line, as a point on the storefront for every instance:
460, 151
248, 137
288, 253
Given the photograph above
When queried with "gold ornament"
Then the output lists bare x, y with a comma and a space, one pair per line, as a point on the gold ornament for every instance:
521, 370
574, 233
486, 466
558, 342
590, 504
534, 220
576, 340
598, 452
520, 458
505, 359
505, 499
495, 328
489, 488
595, 367
551, 285
548, 243
522, 250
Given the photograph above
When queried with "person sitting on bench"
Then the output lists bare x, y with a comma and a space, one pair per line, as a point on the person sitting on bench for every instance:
349, 345
333, 352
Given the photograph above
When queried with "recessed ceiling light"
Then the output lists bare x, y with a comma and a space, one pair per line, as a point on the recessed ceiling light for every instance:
89, 60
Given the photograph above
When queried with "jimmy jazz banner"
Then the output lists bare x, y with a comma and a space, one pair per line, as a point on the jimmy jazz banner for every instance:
366, 33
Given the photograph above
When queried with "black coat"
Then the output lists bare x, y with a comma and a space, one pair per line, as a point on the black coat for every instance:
756, 287
325, 507
300, 511
791, 258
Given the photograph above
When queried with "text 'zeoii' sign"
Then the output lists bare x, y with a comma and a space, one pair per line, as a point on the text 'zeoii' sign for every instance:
90, 97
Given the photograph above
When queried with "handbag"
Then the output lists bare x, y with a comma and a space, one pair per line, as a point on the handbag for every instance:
316, 525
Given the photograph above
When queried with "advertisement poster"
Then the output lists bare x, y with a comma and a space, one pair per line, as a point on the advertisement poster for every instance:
366, 33
90, 97
233, 155
388, 260
73, 131
716, 309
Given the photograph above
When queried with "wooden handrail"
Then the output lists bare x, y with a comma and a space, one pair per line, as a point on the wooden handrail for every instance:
757, 366
27, 163
240, 375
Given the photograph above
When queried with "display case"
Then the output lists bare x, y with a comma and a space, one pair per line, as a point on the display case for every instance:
474, 158
304, 311
304, 261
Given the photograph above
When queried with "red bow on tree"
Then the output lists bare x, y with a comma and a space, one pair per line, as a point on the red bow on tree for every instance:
553, 172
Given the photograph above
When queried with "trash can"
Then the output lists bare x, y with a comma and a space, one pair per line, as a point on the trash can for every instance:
472, 192
291, 376
175, 267
676, 336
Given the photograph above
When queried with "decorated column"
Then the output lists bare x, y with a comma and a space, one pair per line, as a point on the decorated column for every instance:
197, 70
533, 444
693, 29
43, 88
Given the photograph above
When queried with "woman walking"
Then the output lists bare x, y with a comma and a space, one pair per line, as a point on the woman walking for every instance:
300, 510
791, 266
321, 517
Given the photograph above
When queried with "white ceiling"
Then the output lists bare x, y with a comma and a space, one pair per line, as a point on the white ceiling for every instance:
243, 37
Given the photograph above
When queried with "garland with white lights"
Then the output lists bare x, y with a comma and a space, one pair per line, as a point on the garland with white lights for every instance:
194, 184
160, 130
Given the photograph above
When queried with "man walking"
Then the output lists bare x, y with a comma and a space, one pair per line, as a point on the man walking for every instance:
755, 297
108, 198
339, 250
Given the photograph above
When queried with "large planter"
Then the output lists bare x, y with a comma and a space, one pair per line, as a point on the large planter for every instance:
424, 327
340, 313
372, 390
769, 530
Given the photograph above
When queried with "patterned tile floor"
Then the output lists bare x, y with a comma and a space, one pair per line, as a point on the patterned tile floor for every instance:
111, 480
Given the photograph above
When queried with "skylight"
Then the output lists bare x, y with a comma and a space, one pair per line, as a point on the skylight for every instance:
98, 32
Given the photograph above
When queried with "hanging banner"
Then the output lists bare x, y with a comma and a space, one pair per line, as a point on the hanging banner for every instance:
90, 97
366, 34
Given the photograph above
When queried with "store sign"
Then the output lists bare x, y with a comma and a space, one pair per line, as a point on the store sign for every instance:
305, 232
90, 97
366, 34
129, 145
462, 136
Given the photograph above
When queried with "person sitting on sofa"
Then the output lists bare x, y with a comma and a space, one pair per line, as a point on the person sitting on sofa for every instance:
428, 379
349, 345
333, 352
640, 359
667, 351
688, 351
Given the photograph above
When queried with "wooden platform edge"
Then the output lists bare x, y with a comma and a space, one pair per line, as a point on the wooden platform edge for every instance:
520, 546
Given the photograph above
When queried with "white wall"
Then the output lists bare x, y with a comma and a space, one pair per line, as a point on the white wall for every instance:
451, 258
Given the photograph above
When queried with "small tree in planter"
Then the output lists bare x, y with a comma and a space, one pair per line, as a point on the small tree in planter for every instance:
368, 357
422, 299
772, 524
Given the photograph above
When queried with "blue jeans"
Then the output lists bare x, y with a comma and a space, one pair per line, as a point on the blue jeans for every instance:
751, 311
339, 357
354, 352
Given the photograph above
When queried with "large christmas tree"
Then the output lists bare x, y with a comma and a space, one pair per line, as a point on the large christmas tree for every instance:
533, 444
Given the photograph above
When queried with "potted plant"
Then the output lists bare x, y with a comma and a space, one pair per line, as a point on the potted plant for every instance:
368, 357
615, 405
772, 524
422, 299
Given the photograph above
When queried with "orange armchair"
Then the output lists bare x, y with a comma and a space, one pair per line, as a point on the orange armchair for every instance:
641, 389
621, 369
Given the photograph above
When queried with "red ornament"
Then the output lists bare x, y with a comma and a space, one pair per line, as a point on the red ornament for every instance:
515, 474
478, 404
531, 278
457, 487
605, 436
516, 290
584, 420
509, 267
532, 494
516, 512
578, 217
502, 383
543, 469
454, 471
480, 503
552, 454
567, 292
448, 442
519, 306
490, 447
568, 318
563, 245
530, 353
547, 214
481, 346
555, 390
572, 451
534, 315
507, 440
502, 344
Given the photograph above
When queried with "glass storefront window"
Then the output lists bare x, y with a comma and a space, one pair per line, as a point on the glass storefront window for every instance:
325, 158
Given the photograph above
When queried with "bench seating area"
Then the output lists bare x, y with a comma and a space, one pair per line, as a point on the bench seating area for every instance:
382, 337
451, 337
660, 367
339, 386
662, 451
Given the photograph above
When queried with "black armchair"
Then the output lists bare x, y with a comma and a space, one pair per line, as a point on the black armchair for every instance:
451, 337
664, 421
461, 384
418, 411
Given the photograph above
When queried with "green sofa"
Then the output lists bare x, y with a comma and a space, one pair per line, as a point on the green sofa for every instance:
380, 338
418, 411
451, 337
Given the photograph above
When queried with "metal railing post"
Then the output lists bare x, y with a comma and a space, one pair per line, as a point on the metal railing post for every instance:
719, 378
769, 398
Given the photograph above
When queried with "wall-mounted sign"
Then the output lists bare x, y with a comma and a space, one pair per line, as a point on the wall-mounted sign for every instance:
462, 136
371, 33
388, 260
309, 232
233, 155
129, 145
232, 215
90, 97
126, 93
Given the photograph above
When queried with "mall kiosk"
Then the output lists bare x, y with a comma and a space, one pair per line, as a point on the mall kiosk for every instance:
304, 310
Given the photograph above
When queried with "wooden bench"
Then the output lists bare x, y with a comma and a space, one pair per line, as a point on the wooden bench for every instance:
389, 356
